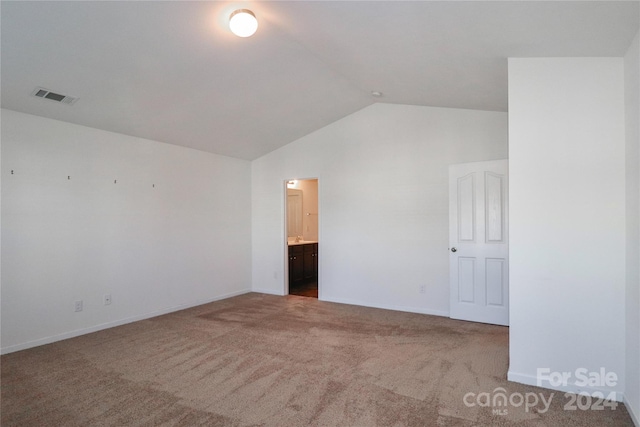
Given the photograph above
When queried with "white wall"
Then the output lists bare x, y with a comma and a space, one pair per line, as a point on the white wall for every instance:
632, 101
567, 217
383, 202
185, 242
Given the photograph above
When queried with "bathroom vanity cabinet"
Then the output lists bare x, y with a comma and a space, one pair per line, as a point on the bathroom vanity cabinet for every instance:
303, 262
310, 261
296, 267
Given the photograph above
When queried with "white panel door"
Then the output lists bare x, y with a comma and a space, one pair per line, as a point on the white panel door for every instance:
478, 235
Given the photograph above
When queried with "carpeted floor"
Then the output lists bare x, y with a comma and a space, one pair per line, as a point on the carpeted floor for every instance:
263, 360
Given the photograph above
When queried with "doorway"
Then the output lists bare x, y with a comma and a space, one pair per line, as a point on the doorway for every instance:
302, 243
479, 242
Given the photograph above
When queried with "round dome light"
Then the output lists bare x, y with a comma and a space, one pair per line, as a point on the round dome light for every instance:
243, 23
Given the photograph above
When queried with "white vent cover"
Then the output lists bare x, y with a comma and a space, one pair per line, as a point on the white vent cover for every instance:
43, 93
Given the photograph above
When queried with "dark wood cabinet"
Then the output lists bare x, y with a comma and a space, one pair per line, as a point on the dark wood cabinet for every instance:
303, 263
296, 263
310, 257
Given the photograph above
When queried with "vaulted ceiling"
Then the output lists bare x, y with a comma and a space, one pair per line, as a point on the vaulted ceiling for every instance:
171, 71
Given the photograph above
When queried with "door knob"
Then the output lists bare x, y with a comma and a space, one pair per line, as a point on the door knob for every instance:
454, 250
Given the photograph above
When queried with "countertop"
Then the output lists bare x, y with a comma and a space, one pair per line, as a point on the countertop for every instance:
302, 242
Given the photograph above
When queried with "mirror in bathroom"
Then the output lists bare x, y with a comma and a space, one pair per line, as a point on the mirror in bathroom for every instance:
294, 212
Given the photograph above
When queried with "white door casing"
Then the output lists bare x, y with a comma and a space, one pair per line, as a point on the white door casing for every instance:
478, 237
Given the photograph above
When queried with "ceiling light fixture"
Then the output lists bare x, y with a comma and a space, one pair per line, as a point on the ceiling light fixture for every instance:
376, 94
243, 23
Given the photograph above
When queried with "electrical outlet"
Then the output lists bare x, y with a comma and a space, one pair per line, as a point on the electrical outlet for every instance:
107, 299
78, 305
423, 289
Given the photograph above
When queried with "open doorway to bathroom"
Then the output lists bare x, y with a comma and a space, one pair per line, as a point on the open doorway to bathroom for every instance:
302, 237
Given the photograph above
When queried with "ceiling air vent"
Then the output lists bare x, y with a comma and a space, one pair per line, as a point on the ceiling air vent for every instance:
52, 96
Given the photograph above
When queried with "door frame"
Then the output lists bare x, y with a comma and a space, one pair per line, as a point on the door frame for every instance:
285, 275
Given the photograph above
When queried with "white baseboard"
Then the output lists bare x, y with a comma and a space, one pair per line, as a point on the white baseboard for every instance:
633, 412
569, 388
408, 309
83, 331
404, 308
268, 291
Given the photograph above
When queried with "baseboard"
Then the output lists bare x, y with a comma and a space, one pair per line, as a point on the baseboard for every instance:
532, 380
408, 309
404, 308
268, 291
84, 331
633, 412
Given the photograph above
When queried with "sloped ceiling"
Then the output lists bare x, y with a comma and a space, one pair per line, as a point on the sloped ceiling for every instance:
171, 71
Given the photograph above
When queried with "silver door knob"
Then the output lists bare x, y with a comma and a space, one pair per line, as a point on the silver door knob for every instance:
454, 250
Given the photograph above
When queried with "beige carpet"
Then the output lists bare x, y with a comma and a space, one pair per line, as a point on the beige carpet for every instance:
262, 360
